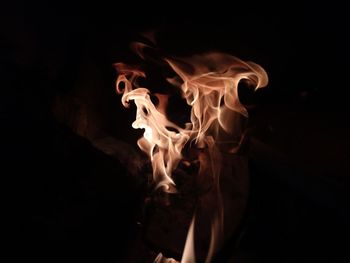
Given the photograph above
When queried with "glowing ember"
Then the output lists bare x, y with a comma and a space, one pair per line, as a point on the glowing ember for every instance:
209, 84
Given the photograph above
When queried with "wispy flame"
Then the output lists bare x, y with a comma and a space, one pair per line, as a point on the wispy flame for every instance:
209, 84
161, 144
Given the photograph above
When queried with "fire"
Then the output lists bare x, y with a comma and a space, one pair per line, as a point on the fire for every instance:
209, 84
163, 146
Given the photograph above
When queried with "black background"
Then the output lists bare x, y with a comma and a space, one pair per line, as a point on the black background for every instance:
68, 193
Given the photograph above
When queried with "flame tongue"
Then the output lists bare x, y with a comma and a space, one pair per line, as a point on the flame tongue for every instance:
162, 145
209, 84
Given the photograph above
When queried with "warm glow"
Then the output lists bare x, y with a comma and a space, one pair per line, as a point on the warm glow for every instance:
209, 84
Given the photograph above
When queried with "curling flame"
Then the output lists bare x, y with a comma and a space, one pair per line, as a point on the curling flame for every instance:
209, 84
161, 144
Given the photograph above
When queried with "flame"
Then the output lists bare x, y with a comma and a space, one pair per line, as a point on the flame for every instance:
188, 253
161, 259
162, 145
209, 84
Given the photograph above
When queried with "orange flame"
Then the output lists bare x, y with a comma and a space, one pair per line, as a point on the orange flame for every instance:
209, 84
161, 144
